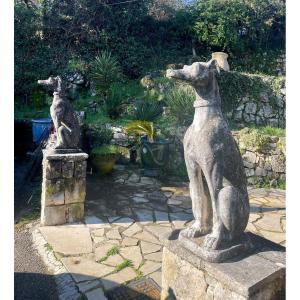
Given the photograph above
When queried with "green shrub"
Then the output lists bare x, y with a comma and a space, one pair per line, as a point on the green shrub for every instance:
253, 138
114, 100
180, 100
147, 110
107, 150
99, 135
105, 71
237, 26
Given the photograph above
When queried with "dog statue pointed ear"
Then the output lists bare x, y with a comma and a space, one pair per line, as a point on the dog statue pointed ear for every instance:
214, 66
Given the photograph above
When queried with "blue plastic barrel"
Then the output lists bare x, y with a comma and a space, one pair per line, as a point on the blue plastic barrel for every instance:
40, 129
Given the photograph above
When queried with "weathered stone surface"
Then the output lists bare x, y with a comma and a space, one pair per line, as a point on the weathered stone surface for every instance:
134, 178
63, 191
140, 199
75, 190
95, 222
132, 253
124, 222
276, 237
96, 294
157, 256
89, 285
80, 169
157, 196
101, 250
174, 201
83, 269
113, 260
147, 237
53, 192
145, 216
67, 169
74, 212
149, 247
129, 242
269, 222
149, 267
53, 215
158, 230
249, 157
181, 279
114, 280
51, 169
156, 276
98, 232
161, 217
277, 163
78, 156
68, 240
246, 278
133, 229
113, 234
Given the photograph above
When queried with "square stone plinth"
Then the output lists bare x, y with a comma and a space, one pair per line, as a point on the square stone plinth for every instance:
257, 275
63, 187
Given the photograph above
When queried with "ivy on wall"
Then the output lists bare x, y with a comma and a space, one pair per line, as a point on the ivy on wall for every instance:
235, 86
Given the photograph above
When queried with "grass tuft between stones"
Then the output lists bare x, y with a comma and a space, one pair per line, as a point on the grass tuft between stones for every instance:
112, 251
126, 263
48, 247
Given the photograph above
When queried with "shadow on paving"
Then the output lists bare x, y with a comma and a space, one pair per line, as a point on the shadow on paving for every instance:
91, 288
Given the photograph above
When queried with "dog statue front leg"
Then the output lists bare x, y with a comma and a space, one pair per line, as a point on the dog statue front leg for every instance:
201, 202
214, 178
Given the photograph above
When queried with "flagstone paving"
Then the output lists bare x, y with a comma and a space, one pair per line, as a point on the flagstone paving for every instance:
119, 239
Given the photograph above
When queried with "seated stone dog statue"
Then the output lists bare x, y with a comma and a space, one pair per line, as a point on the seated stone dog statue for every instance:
218, 185
64, 118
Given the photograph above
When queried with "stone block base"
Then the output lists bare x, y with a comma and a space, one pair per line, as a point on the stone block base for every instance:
259, 275
63, 188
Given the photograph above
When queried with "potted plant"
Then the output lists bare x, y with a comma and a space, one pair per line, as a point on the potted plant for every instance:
154, 150
105, 156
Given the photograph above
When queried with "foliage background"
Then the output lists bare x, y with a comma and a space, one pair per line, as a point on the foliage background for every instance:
61, 36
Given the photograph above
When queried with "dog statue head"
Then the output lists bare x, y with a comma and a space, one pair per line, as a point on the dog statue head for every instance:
54, 82
199, 74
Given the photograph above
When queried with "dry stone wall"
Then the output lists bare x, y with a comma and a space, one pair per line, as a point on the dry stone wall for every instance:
263, 156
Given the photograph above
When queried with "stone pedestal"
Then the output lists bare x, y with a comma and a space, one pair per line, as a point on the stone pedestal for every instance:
63, 188
257, 275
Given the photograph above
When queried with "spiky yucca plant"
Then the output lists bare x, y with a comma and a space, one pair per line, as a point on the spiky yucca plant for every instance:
105, 71
139, 127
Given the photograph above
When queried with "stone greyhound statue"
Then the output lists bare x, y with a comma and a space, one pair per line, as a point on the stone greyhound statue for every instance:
218, 184
64, 118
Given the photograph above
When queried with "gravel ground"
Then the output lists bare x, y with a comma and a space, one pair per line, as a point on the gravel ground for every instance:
32, 279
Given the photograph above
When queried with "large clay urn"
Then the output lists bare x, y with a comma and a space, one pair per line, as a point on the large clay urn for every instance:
221, 58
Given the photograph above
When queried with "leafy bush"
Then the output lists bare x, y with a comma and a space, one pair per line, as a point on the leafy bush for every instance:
240, 25
113, 103
147, 110
252, 138
180, 100
107, 150
99, 135
105, 71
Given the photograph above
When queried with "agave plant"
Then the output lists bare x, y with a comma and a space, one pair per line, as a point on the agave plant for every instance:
139, 127
105, 71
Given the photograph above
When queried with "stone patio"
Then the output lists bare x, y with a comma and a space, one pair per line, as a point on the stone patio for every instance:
125, 214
